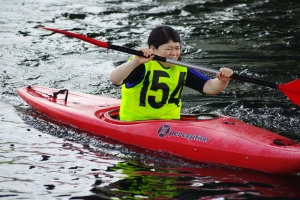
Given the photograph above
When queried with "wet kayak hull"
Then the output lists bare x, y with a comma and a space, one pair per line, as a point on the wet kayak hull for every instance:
204, 138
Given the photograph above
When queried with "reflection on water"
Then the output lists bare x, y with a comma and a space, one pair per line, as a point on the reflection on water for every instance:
41, 159
152, 182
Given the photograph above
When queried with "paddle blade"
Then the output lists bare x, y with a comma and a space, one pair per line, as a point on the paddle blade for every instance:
291, 90
79, 36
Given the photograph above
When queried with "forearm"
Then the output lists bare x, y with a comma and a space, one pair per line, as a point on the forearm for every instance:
214, 86
217, 85
122, 71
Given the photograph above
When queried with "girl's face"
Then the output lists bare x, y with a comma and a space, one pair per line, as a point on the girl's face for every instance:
169, 50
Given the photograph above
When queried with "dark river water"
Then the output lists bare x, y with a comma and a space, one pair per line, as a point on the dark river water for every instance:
41, 159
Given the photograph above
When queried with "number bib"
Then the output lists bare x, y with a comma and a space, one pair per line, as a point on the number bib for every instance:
157, 96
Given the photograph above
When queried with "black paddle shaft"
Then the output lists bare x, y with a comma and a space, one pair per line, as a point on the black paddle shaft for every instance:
159, 58
134, 52
255, 81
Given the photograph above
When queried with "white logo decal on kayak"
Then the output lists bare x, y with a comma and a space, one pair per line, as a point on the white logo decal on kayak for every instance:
165, 130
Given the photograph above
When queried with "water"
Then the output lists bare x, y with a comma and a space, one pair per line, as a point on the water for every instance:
42, 159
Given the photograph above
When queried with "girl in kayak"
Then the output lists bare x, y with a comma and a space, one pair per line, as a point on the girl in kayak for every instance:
152, 89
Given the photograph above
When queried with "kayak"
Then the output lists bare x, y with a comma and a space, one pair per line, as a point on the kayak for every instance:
205, 138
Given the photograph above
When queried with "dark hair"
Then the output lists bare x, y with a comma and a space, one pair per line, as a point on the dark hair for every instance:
161, 35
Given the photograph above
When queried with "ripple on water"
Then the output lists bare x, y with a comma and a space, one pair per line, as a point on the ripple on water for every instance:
40, 159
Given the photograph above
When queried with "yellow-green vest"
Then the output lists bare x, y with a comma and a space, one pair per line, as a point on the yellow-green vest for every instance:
157, 96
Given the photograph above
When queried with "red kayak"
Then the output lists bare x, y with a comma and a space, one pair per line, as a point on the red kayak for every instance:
204, 138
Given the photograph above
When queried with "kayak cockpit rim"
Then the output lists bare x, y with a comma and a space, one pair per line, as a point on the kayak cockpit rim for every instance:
113, 115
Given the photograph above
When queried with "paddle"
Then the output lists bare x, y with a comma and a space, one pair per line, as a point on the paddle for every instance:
291, 89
